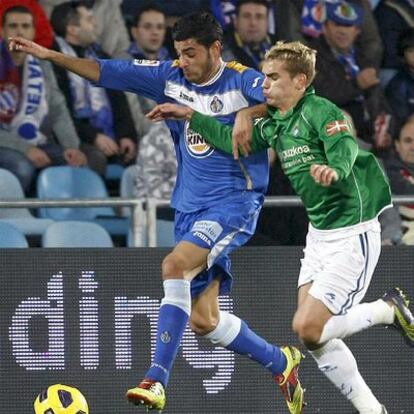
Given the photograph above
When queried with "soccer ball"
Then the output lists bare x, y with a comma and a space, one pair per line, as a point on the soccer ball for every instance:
61, 399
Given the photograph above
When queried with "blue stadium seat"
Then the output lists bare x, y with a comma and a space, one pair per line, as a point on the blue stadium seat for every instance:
78, 183
114, 171
165, 233
22, 218
11, 236
76, 234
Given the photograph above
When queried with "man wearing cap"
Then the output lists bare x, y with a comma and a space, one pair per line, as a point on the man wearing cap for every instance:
342, 79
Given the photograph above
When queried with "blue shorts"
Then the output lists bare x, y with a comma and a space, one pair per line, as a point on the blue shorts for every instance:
221, 229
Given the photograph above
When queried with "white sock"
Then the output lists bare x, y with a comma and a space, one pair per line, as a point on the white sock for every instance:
177, 292
358, 318
337, 363
226, 330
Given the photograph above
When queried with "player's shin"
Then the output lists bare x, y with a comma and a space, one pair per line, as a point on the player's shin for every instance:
358, 318
234, 334
173, 317
337, 363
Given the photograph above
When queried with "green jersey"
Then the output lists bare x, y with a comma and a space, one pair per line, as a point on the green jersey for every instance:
315, 131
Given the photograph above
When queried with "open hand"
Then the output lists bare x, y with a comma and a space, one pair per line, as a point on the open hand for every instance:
19, 44
169, 111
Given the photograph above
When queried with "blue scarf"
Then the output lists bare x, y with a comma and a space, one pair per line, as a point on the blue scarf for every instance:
89, 101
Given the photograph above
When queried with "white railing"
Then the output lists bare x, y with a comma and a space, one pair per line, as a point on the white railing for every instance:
137, 210
148, 209
270, 201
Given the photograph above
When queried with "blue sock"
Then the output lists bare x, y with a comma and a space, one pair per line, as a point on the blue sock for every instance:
268, 355
172, 322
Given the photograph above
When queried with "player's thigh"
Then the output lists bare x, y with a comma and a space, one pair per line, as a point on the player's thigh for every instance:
340, 270
185, 261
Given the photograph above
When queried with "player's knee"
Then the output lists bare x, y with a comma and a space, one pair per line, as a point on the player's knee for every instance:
172, 268
203, 324
307, 329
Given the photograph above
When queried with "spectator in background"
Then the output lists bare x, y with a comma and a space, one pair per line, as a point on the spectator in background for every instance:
341, 78
43, 29
393, 18
148, 33
102, 117
400, 170
283, 17
400, 90
154, 174
313, 15
111, 31
250, 39
33, 111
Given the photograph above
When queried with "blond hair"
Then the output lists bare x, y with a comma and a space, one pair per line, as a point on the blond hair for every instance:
298, 58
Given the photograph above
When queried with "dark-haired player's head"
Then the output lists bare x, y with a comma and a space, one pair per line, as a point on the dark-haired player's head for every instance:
198, 39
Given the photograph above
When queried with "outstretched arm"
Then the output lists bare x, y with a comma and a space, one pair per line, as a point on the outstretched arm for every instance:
86, 68
213, 131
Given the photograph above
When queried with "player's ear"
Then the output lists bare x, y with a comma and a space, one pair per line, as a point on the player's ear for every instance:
301, 81
216, 48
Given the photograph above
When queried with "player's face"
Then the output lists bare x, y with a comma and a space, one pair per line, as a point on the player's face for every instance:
85, 31
405, 144
340, 37
199, 63
19, 24
251, 23
279, 88
150, 31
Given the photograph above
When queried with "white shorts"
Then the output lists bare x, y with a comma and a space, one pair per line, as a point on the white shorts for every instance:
340, 269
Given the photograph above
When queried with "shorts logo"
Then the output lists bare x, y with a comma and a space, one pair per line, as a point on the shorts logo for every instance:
196, 145
210, 230
146, 62
202, 237
216, 105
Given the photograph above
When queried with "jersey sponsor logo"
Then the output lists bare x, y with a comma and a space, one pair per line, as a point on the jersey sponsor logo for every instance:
216, 105
293, 152
335, 127
186, 97
209, 228
146, 62
196, 145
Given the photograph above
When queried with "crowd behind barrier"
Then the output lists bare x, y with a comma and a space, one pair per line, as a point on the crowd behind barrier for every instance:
100, 128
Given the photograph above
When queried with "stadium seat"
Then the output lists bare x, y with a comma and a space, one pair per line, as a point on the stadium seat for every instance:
21, 218
76, 234
11, 236
78, 183
165, 233
114, 172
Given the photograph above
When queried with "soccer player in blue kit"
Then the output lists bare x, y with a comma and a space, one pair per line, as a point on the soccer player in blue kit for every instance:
217, 199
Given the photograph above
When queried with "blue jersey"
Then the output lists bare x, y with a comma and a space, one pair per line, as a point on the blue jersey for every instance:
205, 176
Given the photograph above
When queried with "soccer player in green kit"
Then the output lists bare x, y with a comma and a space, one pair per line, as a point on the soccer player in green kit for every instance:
344, 190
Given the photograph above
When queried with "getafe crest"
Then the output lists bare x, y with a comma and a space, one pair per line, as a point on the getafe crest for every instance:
216, 105
196, 145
